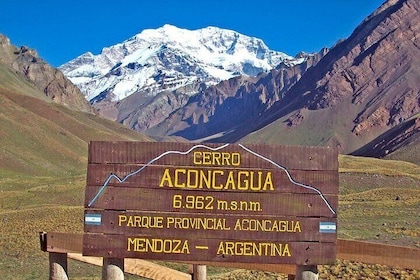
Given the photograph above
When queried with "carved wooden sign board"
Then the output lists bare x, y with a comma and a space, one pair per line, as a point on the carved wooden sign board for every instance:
228, 203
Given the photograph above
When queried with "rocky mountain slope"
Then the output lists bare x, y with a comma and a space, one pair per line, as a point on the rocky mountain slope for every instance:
349, 96
401, 142
365, 85
360, 89
47, 79
45, 121
232, 106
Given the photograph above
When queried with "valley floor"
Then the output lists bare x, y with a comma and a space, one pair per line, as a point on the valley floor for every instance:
372, 206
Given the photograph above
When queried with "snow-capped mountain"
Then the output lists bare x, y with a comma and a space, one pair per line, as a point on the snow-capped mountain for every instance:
167, 58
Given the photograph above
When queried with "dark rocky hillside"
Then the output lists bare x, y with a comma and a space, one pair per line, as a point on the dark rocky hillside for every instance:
45, 122
234, 106
363, 87
49, 80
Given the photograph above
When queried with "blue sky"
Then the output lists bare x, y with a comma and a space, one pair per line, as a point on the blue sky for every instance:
62, 30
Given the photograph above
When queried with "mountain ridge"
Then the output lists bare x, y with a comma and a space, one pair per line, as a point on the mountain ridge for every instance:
42, 135
48, 80
167, 58
359, 89
373, 73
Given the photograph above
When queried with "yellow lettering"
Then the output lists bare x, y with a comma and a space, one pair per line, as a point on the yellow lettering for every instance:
245, 181
197, 158
286, 251
226, 159
166, 178
217, 158
238, 225
266, 225
221, 249
242, 180
297, 227
205, 180
177, 172
121, 219
130, 222
206, 158
230, 246
230, 182
192, 179
268, 182
220, 186
140, 221
169, 222
197, 223
130, 243
156, 245
236, 159
240, 248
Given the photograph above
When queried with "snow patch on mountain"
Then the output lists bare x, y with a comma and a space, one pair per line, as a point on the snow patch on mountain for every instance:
169, 57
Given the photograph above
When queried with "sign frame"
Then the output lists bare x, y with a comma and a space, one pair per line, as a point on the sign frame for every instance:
235, 203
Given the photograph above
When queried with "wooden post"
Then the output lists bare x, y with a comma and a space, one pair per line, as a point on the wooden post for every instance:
58, 266
199, 272
306, 272
191, 270
113, 269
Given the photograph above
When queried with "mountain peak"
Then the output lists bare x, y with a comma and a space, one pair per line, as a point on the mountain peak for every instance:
169, 57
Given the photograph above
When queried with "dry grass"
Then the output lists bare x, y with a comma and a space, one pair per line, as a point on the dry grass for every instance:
42, 181
376, 207
352, 164
341, 270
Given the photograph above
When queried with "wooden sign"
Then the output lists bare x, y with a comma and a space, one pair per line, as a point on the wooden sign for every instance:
211, 202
